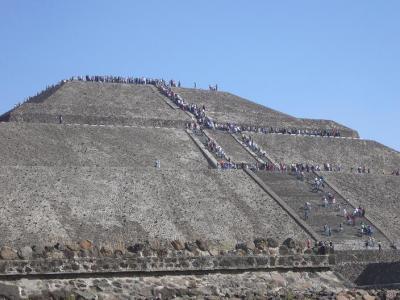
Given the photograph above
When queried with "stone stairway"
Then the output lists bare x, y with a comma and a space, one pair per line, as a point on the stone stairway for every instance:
296, 192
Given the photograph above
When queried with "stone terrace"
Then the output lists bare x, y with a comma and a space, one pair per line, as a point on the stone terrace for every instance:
50, 204
77, 145
379, 194
225, 107
337, 151
103, 103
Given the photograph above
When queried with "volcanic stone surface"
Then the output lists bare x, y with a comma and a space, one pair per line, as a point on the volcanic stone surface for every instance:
88, 101
50, 204
27, 144
379, 194
225, 107
349, 153
249, 285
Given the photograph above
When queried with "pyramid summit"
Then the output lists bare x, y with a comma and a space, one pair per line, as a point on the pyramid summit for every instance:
143, 175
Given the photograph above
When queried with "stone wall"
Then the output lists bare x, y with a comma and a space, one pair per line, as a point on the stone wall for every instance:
162, 265
369, 267
96, 120
86, 270
46, 204
160, 256
64, 145
272, 285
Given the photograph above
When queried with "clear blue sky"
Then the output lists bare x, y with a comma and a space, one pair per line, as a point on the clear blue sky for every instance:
318, 59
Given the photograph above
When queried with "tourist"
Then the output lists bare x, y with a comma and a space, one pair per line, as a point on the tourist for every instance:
157, 164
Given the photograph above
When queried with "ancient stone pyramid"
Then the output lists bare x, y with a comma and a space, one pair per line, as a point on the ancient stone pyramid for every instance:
79, 161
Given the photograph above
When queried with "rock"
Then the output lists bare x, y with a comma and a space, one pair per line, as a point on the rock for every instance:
162, 252
9, 291
308, 251
344, 296
202, 244
59, 247
69, 254
242, 246
106, 251
38, 251
163, 292
241, 252
273, 252
136, 248
214, 252
155, 245
48, 248
55, 254
368, 297
257, 251
277, 279
85, 295
86, 244
300, 246
191, 247
117, 284
7, 253
272, 243
73, 247
177, 244
283, 250
290, 243
147, 252
260, 243
25, 252
193, 253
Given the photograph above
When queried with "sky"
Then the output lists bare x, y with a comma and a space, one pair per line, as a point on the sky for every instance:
319, 59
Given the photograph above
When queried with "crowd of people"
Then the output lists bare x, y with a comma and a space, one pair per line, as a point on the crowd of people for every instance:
173, 83
213, 87
116, 79
360, 170
235, 128
323, 247
198, 112
329, 202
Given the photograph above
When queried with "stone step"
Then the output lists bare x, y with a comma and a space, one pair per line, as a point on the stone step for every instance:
296, 192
